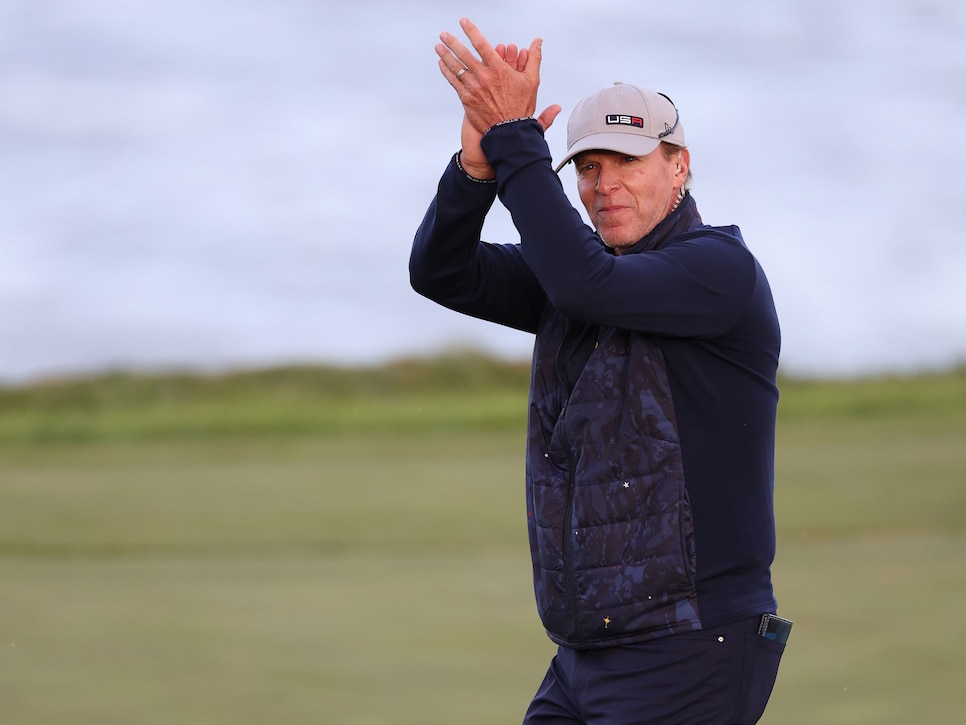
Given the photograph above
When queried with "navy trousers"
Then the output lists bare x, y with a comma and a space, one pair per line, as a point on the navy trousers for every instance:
721, 676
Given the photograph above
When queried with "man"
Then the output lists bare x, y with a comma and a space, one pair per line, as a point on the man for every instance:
652, 403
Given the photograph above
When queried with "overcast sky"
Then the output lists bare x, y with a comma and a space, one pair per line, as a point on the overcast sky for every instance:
218, 183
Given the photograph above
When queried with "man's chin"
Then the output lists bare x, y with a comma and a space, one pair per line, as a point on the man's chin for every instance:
617, 242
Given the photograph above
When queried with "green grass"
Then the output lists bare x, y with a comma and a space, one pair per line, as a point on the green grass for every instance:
348, 547
279, 403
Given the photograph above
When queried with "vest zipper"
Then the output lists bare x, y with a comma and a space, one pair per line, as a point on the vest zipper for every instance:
570, 536
570, 578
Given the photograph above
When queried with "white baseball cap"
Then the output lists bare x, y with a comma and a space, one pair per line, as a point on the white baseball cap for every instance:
623, 118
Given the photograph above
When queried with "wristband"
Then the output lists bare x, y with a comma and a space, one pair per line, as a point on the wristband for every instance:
469, 176
510, 120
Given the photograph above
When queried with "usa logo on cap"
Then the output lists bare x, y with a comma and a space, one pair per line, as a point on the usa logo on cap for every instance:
615, 119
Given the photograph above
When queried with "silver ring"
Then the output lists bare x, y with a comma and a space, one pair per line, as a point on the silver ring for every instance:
460, 72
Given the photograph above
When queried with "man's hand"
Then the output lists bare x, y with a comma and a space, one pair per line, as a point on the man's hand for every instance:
498, 86
472, 158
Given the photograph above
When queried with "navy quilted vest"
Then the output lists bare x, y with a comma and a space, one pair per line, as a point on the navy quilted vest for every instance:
610, 525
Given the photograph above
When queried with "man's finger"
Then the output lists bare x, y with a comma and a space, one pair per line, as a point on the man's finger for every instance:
548, 116
487, 53
450, 43
447, 73
512, 55
455, 77
535, 58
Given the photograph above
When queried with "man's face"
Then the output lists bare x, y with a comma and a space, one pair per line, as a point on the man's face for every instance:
627, 196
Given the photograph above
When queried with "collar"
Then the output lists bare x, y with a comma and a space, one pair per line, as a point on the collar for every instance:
685, 217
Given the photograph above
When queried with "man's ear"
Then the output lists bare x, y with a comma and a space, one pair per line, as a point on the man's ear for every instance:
683, 165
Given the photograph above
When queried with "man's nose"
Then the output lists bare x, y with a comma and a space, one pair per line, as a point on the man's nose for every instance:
607, 180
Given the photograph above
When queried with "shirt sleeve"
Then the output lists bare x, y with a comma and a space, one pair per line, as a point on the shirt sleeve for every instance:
697, 286
450, 265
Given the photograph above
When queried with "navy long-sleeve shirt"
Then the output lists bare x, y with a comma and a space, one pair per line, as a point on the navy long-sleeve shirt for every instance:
696, 291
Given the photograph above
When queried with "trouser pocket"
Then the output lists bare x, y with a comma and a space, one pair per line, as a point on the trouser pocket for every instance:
759, 670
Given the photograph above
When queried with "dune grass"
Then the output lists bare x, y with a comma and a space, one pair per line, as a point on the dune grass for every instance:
348, 547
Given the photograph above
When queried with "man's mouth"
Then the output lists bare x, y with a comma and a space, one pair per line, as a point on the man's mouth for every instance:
610, 209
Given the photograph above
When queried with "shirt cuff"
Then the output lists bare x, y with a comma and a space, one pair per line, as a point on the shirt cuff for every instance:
468, 176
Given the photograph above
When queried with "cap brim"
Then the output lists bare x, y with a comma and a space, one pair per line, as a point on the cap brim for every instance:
622, 143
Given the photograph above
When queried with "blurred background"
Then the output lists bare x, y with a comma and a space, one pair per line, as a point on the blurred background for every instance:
214, 184
247, 475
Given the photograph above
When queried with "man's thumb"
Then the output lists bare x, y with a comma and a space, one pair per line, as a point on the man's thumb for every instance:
536, 57
550, 114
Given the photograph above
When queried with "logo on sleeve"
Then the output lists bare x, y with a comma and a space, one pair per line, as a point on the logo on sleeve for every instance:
615, 119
